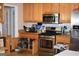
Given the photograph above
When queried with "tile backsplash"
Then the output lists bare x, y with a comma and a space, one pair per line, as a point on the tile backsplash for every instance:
50, 25
64, 30
29, 24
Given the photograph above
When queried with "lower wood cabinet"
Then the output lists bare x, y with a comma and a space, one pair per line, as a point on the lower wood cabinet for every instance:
33, 37
63, 39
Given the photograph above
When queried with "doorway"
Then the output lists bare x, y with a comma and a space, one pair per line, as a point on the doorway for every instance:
8, 27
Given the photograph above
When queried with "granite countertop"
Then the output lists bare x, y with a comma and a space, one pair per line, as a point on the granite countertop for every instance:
22, 31
68, 53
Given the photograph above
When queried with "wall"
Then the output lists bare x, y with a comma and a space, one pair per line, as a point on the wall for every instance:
20, 15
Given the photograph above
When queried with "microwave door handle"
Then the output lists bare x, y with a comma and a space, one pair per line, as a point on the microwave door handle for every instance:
54, 18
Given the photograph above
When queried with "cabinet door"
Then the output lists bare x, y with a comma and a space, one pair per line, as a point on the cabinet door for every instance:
1, 12
75, 6
47, 8
28, 12
55, 8
38, 12
63, 38
65, 13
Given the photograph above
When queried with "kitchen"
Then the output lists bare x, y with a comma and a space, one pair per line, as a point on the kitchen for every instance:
43, 28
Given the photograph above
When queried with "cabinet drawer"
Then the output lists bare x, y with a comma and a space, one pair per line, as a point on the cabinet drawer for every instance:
22, 35
63, 39
26, 35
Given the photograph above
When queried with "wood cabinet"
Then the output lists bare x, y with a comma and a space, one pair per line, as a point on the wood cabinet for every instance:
28, 12
63, 38
65, 13
74, 6
1, 12
63, 8
55, 8
37, 12
33, 12
32, 36
47, 8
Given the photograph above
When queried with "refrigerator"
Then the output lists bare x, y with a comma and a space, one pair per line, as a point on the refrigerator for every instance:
74, 40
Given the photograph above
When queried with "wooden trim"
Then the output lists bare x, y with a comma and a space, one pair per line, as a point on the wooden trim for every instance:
8, 38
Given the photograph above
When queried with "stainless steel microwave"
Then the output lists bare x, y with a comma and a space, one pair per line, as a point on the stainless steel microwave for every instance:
51, 18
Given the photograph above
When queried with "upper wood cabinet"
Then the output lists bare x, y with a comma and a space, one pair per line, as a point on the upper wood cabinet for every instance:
74, 6
55, 7
32, 12
50, 8
1, 12
28, 12
47, 7
37, 12
65, 13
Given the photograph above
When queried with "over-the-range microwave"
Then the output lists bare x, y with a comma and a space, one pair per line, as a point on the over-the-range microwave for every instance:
51, 18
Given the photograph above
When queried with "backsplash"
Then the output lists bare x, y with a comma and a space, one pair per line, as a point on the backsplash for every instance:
49, 25
29, 24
